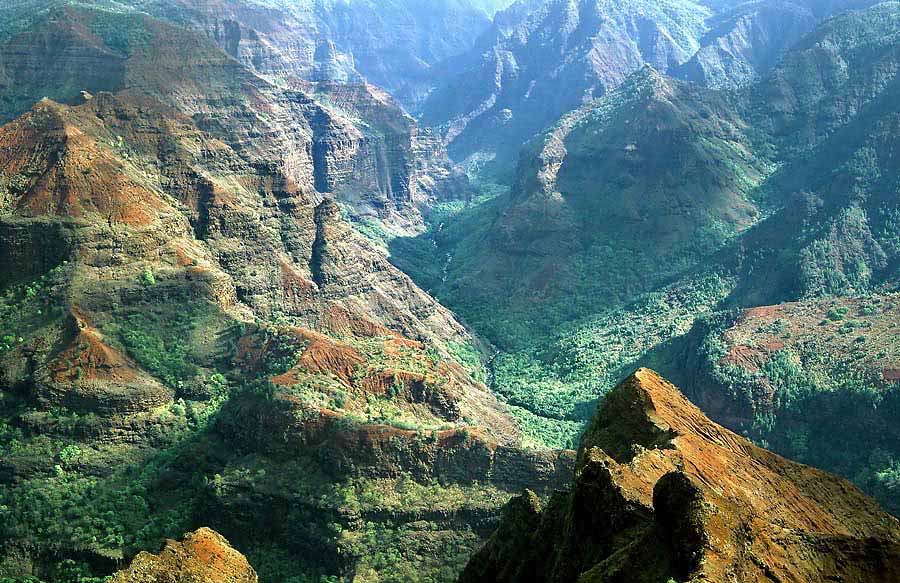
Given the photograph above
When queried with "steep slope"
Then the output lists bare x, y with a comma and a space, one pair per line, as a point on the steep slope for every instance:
747, 40
783, 191
194, 335
832, 110
663, 492
544, 58
394, 45
391, 44
368, 152
658, 172
816, 380
815, 362
621, 198
135, 343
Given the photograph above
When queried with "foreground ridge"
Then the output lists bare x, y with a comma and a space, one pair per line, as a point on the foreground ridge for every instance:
663, 493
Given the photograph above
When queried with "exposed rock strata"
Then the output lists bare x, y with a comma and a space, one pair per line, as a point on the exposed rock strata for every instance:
351, 141
663, 492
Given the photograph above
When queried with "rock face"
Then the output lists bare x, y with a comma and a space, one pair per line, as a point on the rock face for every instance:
749, 39
394, 45
353, 142
543, 58
663, 492
203, 556
181, 285
134, 188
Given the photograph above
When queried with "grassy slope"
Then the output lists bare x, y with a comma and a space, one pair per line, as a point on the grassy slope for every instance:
828, 119
572, 277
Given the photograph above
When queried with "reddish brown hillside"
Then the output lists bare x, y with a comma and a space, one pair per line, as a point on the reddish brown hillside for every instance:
63, 161
202, 556
661, 491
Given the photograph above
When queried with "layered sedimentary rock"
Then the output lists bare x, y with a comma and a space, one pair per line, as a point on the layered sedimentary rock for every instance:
132, 194
186, 295
663, 493
351, 141
396, 46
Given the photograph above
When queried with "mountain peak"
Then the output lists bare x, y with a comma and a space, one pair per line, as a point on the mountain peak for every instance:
203, 555
661, 491
646, 411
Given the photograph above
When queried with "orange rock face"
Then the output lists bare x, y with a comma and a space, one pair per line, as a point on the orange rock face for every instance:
663, 492
203, 556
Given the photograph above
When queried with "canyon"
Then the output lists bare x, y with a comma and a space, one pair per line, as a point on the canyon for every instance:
313, 291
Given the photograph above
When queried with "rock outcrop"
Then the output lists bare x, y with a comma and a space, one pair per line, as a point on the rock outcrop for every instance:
353, 142
203, 556
663, 493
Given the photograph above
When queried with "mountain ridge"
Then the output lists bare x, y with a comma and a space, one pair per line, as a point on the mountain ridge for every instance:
589, 48
661, 491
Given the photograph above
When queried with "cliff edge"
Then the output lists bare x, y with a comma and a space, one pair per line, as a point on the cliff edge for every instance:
662, 493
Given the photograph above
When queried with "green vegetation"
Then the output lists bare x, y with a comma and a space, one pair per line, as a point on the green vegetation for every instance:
838, 313
109, 500
555, 359
120, 29
403, 554
114, 21
119, 512
575, 289
161, 335
66, 571
26, 308
148, 278
605, 262
670, 205
166, 355
470, 358
820, 398
81, 512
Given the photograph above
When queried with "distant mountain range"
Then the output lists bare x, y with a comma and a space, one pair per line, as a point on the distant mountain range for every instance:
393, 44
543, 58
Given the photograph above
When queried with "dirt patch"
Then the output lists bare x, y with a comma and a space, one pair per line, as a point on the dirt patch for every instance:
88, 357
325, 356
340, 321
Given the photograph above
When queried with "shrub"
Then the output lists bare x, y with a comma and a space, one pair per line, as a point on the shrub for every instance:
162, 352
69, 454
838, 313
147, 278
